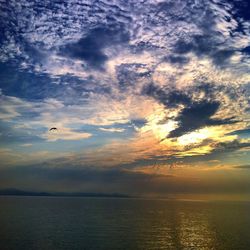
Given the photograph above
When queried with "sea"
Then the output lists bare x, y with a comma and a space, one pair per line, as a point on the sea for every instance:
69, 223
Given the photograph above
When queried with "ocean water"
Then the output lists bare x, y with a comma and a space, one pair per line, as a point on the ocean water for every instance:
106, 223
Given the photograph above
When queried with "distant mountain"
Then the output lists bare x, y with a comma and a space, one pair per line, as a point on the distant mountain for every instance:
18, 192
14, 191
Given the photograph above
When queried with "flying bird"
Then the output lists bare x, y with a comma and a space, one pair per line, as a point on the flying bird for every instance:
51, 129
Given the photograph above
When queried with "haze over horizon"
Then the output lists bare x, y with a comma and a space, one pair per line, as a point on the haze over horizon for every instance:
147, 97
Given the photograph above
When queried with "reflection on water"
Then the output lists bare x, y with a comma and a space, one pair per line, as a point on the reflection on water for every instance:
88, 223
194, 229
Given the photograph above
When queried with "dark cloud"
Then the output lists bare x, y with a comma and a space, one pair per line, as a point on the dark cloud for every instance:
81, 178
241, 132
139, 122
90, 48
231, 146
222, 56
221, 152
107, 180
243, 167
197, 116
142, 46
177, 59
199, 44
129, 73
182, 47
204, 45
166, 97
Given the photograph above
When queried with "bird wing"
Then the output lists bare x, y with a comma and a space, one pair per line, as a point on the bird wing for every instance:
53, 129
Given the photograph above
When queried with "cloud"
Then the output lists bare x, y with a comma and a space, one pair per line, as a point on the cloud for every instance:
75, 178
202, 45
142, 182
222, 56
197, 106
11, 106
119, 130
241, 132
243, 167
12, 158
90, 48
167, 70
37, 117
26, 145
128, 74
232, 146
65, 134
176, 59
34, 117
197, 116
169, 98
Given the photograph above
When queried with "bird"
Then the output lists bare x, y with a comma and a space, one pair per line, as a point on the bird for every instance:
53, 128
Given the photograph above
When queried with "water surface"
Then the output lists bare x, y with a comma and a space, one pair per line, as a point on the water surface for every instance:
107, 223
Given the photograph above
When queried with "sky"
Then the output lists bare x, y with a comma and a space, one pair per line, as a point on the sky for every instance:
149, 97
